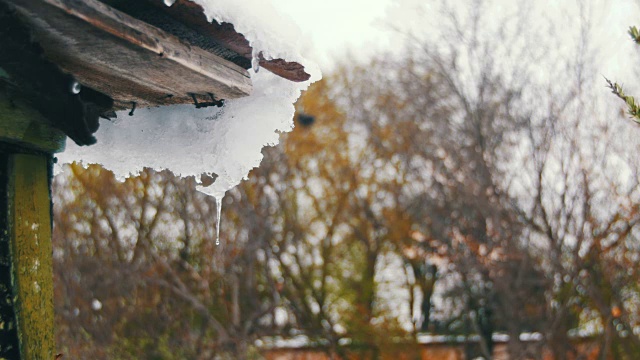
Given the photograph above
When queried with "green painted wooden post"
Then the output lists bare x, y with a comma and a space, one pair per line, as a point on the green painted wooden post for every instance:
26, 273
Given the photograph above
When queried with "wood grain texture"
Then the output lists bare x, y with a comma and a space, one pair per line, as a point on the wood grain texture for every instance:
31, 254
127, 59
192, 15
41, 85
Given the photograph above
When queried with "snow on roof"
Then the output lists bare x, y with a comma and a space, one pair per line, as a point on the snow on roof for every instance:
226, 142
497, 337
279, 342
267, 30
302, 341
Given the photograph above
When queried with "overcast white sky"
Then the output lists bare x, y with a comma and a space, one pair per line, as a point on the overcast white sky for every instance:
362, 26
336, 25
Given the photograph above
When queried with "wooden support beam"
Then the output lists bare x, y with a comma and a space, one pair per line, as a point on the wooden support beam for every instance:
22, 126
125, 58
9, 343
29, 230
27, 143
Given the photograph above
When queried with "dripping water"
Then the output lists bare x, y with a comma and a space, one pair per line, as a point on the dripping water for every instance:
75, 87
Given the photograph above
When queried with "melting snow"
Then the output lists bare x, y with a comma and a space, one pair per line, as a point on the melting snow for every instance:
226, 142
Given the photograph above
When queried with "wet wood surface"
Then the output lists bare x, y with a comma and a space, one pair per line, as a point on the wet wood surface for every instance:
127, 59
192, 14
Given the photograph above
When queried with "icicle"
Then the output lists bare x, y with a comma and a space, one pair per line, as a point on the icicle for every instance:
169, 2
218, 216
255, 60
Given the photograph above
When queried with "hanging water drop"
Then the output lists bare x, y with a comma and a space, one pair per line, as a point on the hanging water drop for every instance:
75, 87
169, 2
218, 216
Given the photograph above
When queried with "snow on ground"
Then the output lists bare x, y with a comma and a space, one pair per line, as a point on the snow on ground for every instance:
226, 142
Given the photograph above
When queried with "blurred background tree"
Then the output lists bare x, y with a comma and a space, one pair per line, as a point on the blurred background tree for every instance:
447, 190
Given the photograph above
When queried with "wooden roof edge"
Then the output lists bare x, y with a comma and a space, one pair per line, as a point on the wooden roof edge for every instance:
119, 62
192, 14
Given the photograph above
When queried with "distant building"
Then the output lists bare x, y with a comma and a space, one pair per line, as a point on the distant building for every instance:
430, 347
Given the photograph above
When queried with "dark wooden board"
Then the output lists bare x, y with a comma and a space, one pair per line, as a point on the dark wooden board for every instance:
127, 59
192, 15
31, 84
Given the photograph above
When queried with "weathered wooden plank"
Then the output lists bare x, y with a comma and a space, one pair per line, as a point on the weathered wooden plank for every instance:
29, 76
125, 58
31, 254
192, 14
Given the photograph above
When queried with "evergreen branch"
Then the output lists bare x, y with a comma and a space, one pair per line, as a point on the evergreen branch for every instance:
633, 108
635, 34
616, 89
